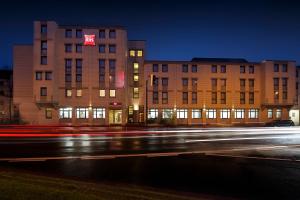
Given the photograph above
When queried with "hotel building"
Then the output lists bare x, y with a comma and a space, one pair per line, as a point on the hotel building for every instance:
96, 76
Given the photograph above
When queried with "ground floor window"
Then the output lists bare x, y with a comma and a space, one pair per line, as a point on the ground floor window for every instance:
253, 114
278, 113
181, 113
225, 113
48, 113
239, 113
65, 113
167, 113
196, 113
98, 113
211, 114
153, 113
270, 113
82, 113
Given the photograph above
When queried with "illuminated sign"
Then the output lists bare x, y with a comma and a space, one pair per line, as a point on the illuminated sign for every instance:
89, 40
115, 103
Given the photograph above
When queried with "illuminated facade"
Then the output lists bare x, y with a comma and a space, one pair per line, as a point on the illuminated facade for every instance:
96, 76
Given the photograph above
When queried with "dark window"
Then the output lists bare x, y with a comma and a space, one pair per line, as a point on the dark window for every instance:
112, 33
194, 97
251, 97
155, 67
185, 68
194, 68
223, 68
242, 97
164, 97
242, 69
68, 33
78, 33
43, 45
223, 84
223, 97
38, 75
185, 98
164, 68
78, 70
48, 75
214, 83
194, 81
251, 83
43, 60
43, 91
112, 48
68, 48
284, 68
78, 48
251, 69
44, 29
214, 69
242, 84
155, 98
68, 70
185, 81
284, 83
112, 66
102, 48
102, 33
276, 67
214, 97
164, 81
276, 84
284, 95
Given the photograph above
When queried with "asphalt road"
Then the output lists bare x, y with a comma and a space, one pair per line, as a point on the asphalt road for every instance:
227, 162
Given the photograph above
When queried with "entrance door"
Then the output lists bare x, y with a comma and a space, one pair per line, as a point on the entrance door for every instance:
115, 117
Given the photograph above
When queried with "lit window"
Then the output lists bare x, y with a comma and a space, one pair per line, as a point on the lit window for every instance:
131, 53
65, 113
112, 93
181, 113
135, 67
99, 113
211, 113
38, 75
270, 113
253, 114
139, 53
196, 113
82, 113
278, 113
68, 92
78, 93
152, 113
225, 113
102, 93
167, 113
136, 78
135, 92
48, 113
239, 114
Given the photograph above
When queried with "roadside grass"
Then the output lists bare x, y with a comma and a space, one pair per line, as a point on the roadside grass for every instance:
23, 186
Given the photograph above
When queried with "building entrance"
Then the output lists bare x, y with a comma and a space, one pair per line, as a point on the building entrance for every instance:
115, 117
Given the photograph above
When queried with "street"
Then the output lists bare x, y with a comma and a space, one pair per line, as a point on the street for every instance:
228, 162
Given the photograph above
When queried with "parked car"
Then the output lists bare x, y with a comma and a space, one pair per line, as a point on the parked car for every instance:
286, 122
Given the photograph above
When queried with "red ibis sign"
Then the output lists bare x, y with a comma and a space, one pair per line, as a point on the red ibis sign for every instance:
89, 40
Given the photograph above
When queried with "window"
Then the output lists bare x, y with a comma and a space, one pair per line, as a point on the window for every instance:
251, 69
78, 70
194, 97
196, 113
78, 33
194, 82
167, 113
242, 98
101, 48
185, 68
65, 113
276, 68
135, 68
253, 114
43, 45
194, 68
278, 113
43, 91
112, 33
284, 68
242, 84
164, 68
164, 81
102, 93
135, 93
48, 113
251, 97
68, 33
185, 97
68, 92
223, 84
155, 67
82, 113
139, 53
98, 113
214, 84
78, 48
242, 69
48, 75
152, 113
225, 113
43, 28
223, 97
164, 97
135, 78
101, 33
223, 68
101, 70
239, 113
214, 98
185, 81
43, 60
78, 93
155, 98
181, 113
112, 66
214, 69
251, 83
112, 48
270, 113
276, 88
211, 114
132, 53
68, 48
284, 84
112, 93
38, 75
284, 95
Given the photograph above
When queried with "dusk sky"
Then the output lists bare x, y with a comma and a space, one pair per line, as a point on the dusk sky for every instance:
255, 30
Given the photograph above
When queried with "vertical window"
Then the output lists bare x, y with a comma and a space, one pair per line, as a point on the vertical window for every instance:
194, 68
194, 97
276, 88
43, 60
68, 48
135, 67
139, 53
78, 48
284, 68
211, 114
251, 84
98, 113
185, 68
164, 68
135, 93
135, 78
242, 98
38, 75
101, 33
239, 113
251, 69
44, 46
112, 34
225, 113
68, 33
44, 29
223, 68
181, 113
112, 48
152, 113
270, 113
102, 93
194, 82
214, 84
196, 113
48, 113
223, 97
112, 93
78, 33
68, 70
132, 53
185, 81
278, 113
164, 81
155, 98
185, 97
155, 67
223, 84
214, 69
242, 84
101, 48
102, 70
82, 113
78, 70
167, 113
253, 114
242, 69
68, 93
78, 93
48, 75
251, 97
276, 68
43, 91
214, 98
164, 96
65, 113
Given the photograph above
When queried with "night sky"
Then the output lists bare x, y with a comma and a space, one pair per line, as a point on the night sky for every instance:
255, 30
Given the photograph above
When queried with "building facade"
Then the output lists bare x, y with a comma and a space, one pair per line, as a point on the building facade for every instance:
96, 76
6, 106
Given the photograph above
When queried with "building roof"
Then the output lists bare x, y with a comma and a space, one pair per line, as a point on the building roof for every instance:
221, 60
